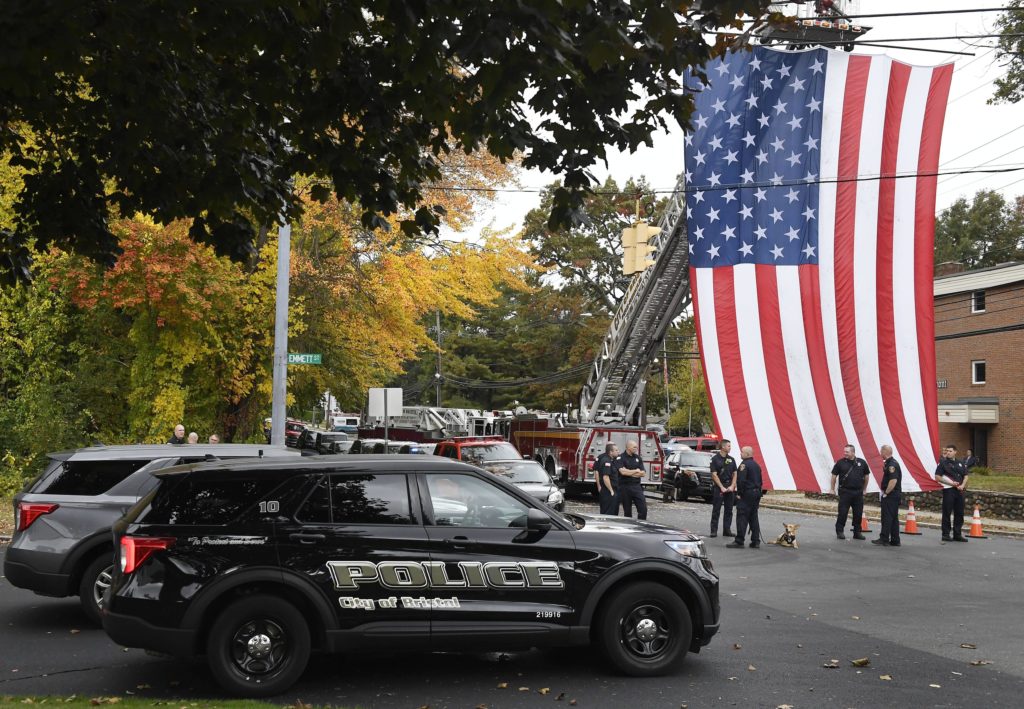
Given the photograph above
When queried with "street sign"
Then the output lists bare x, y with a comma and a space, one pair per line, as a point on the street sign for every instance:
304, 358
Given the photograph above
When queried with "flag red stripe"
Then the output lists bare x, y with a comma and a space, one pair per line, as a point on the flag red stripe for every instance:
810, 295
727, 319
924, 248
888, 368
700, 347
776, 368
845, 281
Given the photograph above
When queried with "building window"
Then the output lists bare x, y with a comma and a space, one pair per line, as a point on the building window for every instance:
978, 301
978, 372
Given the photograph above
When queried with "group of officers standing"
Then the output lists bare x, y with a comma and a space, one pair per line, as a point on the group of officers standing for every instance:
740, 485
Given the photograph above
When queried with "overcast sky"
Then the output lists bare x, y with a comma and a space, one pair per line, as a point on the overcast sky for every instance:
970, 121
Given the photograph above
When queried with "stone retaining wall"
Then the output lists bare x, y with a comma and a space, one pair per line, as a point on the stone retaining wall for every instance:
995, 505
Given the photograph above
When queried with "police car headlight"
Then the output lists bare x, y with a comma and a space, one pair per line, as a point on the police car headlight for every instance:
555, 497
697, 550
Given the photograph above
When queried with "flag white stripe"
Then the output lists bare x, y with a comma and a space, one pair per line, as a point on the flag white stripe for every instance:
904, 291
705, 286
831, 132
801, 384
755, 378
865, 252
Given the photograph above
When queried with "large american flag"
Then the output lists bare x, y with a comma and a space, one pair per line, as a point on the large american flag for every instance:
811, 277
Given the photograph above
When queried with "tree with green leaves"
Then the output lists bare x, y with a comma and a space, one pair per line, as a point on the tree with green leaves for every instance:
205, 111
983, 232
1010, 51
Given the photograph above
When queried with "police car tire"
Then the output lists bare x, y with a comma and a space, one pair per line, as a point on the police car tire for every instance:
267, 612
98, 571
644, 599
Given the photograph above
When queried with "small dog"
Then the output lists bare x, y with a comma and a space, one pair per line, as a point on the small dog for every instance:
788, 538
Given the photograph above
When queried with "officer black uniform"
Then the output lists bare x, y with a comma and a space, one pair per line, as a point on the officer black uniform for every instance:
748, 500
631, 492
853, 476
952, 499
608, 500
890, 535
725, 467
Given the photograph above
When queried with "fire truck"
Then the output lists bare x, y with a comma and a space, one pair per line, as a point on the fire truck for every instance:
568, 450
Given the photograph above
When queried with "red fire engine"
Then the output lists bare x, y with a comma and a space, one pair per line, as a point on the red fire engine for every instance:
568, 451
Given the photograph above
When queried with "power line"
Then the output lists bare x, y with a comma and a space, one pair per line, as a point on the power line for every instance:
987, 142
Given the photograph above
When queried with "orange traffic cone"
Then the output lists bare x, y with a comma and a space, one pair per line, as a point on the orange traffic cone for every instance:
911, 526
976, 532
864, 522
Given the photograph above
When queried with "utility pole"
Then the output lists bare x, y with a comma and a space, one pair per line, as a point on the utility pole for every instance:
664, 357
437, 370
280, 386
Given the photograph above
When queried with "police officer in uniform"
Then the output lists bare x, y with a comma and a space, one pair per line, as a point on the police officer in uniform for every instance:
723, 491
889, 496
607, 480
852, 474
748, 491
629, 468
952, 475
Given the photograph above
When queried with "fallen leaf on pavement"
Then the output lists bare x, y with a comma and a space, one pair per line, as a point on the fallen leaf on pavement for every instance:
543, 690
524, 689
855, 617
502, 685
560, 697
968, 646
935, 686
860, 662
74, 631
979, 663
799, 645
887, 678
736, 646
831, 664
751, 668
572, 702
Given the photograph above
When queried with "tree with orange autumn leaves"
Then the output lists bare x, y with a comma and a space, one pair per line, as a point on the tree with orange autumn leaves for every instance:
174, 333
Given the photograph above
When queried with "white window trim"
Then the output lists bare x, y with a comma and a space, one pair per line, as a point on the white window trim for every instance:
974, 371
974, 301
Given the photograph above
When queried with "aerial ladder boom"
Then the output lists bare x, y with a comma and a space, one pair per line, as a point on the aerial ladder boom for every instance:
655, 297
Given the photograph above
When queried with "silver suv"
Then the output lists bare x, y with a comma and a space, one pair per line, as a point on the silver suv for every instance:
62, 543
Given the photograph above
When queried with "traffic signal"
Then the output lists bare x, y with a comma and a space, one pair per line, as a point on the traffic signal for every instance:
644, 233
629, 250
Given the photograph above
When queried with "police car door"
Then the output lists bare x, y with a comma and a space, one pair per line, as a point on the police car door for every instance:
360, 538
509, 586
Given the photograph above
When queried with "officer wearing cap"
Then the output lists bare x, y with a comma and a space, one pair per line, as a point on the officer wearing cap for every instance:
748, 490
629, 468
889, 496
607, 480
952, 475
852, 475
723, 488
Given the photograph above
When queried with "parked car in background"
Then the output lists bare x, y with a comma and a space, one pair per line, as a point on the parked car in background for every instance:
62, 544
530, 477
477, 449
335, 447
697, 466
325, 440
707, 442
292, 431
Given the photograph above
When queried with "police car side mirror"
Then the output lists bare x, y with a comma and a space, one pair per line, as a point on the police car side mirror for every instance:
537, 521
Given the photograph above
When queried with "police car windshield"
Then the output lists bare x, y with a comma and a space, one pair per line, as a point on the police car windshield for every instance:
695, 458
489, 451
519, 472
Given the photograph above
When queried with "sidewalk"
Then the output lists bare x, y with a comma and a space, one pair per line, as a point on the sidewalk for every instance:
798, 502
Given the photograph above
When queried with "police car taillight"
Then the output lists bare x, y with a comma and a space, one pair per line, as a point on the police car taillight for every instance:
29, 512
135, 550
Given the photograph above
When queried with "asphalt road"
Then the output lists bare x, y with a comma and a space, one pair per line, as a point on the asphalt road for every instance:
785, 613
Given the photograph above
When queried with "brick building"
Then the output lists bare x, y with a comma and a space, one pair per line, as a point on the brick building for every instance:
979, 350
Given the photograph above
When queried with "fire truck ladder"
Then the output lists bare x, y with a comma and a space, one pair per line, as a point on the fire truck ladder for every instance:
655, 297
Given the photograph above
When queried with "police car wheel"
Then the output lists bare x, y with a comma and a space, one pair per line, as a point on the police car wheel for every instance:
95, 581
258, 646
645, 629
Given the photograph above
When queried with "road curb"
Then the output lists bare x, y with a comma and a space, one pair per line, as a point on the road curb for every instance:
990, 528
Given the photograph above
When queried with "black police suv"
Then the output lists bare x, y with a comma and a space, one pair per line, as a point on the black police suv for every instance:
255, 564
